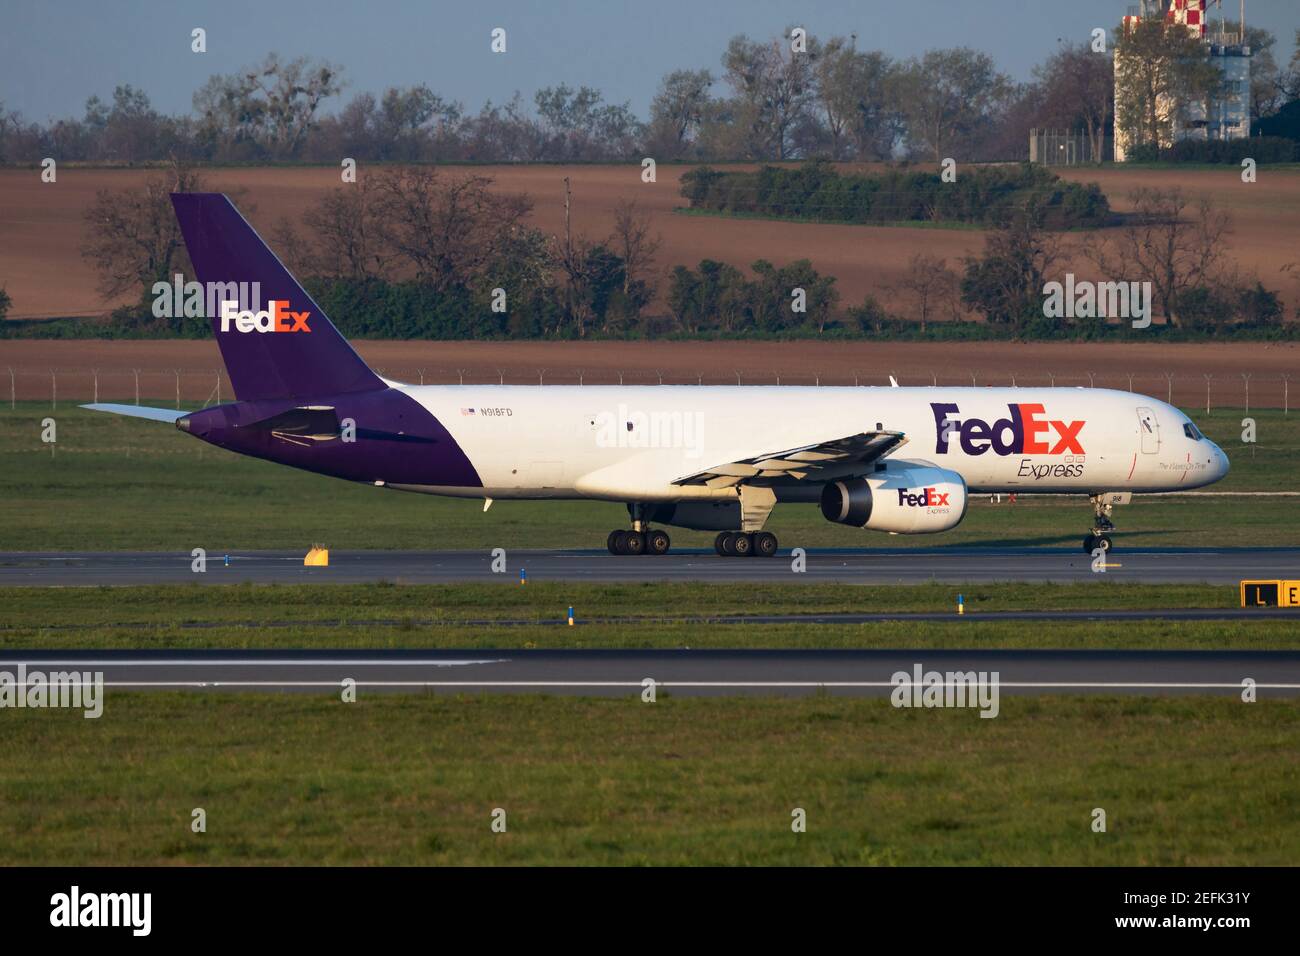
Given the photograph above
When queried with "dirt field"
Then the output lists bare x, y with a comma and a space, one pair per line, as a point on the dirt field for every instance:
39, 366
41, 225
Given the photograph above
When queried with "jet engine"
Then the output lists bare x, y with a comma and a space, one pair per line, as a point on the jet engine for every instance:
900, 499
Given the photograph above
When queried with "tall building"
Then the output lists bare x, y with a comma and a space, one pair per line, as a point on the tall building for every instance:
1227, 117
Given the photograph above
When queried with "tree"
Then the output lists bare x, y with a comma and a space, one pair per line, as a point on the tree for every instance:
5, 302
1006, 283
677, 111
445, 230
773, 87
523, 264
1160, 245
1077, 87
1162, 72
631, 240
947, 97
130, 130
576, 124
407, 120
133, 237
348, 228
852, 96
267, 110
930, 285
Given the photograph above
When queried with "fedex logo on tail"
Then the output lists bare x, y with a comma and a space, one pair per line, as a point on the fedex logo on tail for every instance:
276, 317
1024, 431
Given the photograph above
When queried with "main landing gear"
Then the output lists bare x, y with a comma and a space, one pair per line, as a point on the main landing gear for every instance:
639, 542
740, 544
641, 539
1102, 526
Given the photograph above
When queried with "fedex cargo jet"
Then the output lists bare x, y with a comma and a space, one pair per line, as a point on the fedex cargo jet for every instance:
713, 458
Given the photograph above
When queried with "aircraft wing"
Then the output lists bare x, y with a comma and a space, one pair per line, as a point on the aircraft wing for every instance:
138, 411
822, 461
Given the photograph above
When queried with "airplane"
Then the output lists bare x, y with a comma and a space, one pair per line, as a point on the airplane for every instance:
902, 460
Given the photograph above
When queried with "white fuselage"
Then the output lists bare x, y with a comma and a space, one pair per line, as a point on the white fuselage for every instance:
632, 443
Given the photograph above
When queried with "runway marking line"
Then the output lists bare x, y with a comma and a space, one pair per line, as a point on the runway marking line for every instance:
312, 662
710, 684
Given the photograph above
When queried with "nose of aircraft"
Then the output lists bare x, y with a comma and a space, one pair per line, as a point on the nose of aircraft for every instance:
1221, 463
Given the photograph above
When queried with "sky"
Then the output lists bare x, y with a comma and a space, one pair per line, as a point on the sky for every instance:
54, 55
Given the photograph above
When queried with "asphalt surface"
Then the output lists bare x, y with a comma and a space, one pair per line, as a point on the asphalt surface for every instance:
859, 566
679, 672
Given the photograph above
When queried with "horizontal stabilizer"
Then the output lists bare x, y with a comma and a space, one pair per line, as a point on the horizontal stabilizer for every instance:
138, 411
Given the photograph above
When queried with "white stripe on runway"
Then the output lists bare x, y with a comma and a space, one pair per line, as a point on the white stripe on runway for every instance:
708, 684
309, 662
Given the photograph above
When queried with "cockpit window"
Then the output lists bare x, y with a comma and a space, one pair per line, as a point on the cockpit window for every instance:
1192, 432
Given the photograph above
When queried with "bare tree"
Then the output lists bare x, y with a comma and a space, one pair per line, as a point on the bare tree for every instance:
133, 237
446, 229
929, 284
272, 106
1161, 245
631, 240
348, 229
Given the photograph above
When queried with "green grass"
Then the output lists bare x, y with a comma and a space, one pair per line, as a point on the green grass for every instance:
548, 600
115, 483
1129, 635
639, 615
406, 779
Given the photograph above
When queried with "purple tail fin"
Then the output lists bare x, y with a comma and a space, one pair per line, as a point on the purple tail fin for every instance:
280, 347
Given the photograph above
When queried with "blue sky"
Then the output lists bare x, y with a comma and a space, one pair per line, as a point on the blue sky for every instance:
53, 55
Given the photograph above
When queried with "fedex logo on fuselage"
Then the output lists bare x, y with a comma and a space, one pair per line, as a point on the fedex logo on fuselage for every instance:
276, 317
1023, 432
928, 498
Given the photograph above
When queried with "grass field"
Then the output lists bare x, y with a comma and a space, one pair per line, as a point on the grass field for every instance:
113, 483
643, 615
414, 780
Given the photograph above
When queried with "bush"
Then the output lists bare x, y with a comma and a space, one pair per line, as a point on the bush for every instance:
981, 195
1262, 149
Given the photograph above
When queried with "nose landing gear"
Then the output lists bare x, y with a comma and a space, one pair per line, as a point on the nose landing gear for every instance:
1102, 526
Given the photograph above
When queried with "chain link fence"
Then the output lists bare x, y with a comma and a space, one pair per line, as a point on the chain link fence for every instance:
210, 386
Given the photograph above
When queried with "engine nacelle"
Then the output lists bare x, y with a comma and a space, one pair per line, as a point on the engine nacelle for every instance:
918, 499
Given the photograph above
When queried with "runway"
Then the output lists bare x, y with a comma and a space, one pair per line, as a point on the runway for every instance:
856, 566
676, 672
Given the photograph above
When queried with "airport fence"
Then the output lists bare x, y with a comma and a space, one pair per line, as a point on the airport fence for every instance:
210, 386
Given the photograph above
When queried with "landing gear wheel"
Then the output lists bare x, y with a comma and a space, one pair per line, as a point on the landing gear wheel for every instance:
633, 543
658, 542
742, 545
1094, 541
613, 541
723, 544
765, 544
